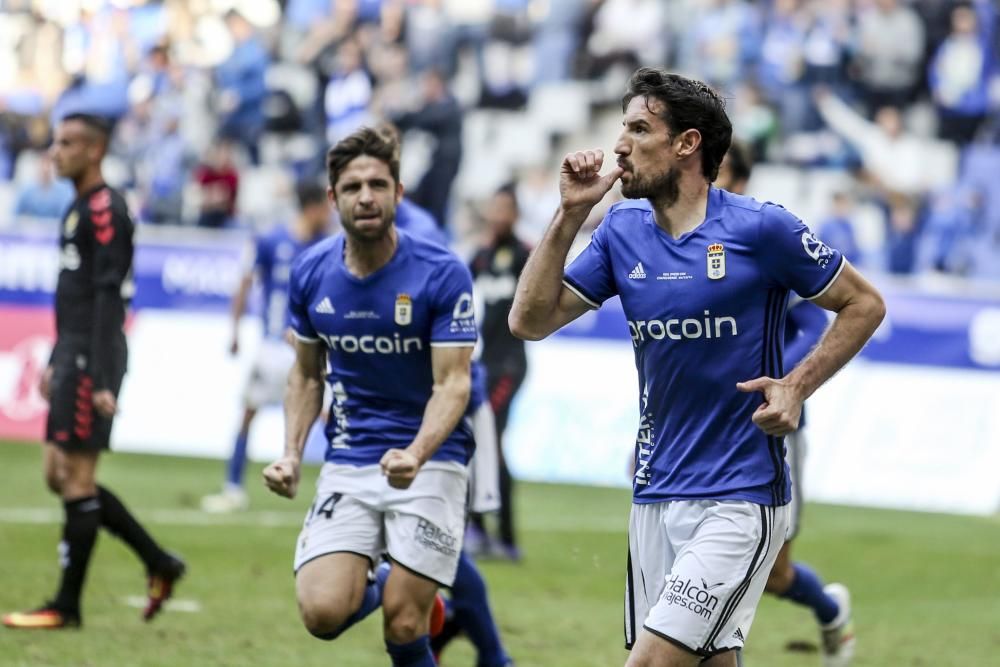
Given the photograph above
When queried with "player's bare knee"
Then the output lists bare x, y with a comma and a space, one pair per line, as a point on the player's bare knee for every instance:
780, 579
323, 619
405, 621
53, 479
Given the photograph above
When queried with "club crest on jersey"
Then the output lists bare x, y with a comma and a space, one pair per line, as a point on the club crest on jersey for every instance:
404, 309
72, 220
716, 261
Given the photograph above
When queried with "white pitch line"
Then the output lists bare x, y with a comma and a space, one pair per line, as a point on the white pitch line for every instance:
187, 606
565, 523
46, 515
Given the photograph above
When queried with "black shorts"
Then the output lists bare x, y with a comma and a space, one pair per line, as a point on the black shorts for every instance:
73, 423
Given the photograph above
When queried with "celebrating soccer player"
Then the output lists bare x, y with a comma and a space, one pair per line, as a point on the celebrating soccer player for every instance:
704, 278
393, 316
85, 373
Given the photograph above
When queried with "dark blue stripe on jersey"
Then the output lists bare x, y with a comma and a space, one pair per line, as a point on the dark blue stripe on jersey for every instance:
756, 562
776, 371
770, 332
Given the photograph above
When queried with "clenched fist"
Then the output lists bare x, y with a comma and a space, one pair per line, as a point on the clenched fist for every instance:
282, 476
400, 467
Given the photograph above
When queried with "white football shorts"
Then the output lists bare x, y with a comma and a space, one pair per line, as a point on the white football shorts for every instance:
484, 468
269, 375
697, 569
796, 449
356, 511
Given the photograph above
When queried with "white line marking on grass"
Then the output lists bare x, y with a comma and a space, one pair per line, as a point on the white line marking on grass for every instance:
281, 519
187, 606
45, 515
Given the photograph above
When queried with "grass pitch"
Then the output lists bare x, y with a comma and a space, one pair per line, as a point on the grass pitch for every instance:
926, 587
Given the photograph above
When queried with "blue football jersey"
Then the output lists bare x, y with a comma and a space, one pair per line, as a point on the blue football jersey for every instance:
705, 311
378, 332
276, 251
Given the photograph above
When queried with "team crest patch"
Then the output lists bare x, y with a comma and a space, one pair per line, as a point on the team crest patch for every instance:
503, 259
72, 220
716, 261
404, 309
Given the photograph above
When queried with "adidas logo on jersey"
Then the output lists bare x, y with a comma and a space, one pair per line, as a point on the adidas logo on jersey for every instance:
324, 307
638, 273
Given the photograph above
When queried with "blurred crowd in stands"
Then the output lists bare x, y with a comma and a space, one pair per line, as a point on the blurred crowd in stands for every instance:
878, 120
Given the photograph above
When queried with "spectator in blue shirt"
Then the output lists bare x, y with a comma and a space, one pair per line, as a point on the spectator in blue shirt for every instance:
47, 196
242, 88
959, 76
837, 230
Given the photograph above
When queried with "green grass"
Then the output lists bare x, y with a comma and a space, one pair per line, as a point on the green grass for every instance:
926, 587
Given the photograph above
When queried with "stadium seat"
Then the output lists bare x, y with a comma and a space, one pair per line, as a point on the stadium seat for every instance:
560, 108
296, 80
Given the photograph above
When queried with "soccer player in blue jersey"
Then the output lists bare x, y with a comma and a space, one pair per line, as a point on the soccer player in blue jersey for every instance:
392, 315
704, 277
804, 326
273, 256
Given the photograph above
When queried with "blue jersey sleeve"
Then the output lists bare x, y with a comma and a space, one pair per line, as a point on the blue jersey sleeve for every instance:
453, 320
589, 276
298, 302
793, 256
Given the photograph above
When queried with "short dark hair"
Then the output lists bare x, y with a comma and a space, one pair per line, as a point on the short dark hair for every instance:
309, 193
510, 190
740, 161
364, 141
98, 124
689, 104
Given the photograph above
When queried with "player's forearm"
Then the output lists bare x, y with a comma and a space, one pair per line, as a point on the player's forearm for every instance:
303, 403
854, 325
540, 284
444, 409
109, 314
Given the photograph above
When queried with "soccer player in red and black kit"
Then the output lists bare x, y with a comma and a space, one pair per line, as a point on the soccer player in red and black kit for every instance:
85, 373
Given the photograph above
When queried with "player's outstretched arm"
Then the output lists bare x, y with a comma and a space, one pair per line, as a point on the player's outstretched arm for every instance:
303, 402
542, 304
450, 397
238, 307
860, 309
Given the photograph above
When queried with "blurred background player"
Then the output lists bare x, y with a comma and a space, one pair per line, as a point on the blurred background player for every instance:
804, 326
468, 609
274, 254
84, 375
410, 216
496, 268
395, 480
